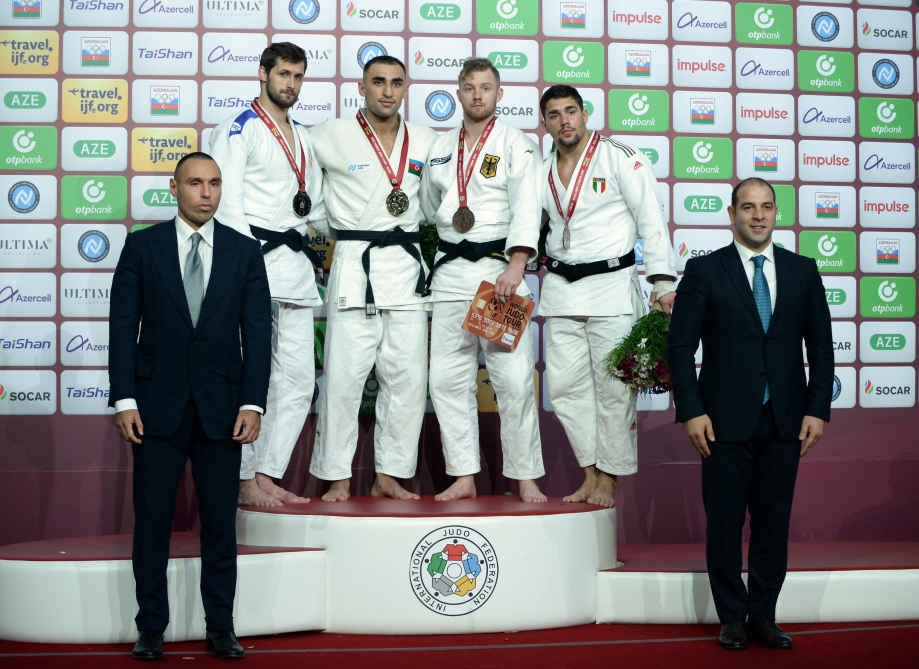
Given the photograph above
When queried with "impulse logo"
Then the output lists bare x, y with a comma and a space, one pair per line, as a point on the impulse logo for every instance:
770, 114
885, 207
694, 66
643, 18
825, 161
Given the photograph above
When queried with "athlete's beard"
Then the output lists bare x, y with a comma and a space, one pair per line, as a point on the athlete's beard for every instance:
275, 96
570, 142
476, 116
380, 111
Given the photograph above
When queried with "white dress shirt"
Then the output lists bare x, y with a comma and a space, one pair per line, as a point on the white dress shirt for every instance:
746, 257
184, 233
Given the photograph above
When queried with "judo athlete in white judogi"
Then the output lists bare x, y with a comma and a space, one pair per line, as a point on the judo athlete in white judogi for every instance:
600, 194
377, 315
502, 170
272, 189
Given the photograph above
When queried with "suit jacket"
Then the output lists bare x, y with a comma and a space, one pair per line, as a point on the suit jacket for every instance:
714, 303
224, 361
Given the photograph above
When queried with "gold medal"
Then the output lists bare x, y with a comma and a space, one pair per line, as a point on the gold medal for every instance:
397, 202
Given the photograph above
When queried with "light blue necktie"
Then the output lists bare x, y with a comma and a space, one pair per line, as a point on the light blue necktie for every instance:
194, 279
763, 301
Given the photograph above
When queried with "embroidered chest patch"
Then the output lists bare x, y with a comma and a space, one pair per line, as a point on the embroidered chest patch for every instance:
598, 185
489, 166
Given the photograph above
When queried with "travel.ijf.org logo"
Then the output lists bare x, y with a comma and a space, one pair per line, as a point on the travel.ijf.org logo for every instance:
454, 570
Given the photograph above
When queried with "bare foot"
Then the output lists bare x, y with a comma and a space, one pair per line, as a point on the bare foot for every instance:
602, 494
386, 486
529, 492
251, 495
581, 494
462, 488
268, 486
339, 492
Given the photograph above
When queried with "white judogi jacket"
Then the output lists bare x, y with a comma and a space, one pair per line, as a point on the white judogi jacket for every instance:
355, 187
258, 189
507, 204
619, 200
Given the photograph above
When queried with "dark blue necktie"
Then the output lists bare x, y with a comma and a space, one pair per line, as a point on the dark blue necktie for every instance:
763, 301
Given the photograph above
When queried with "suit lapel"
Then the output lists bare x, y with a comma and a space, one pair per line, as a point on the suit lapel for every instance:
735, 270
782, 284
223, 268
167, 266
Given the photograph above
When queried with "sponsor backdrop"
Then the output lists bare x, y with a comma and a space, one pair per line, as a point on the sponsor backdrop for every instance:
100, 98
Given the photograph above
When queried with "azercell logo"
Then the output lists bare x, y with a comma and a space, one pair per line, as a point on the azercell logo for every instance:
690, 20
753, 68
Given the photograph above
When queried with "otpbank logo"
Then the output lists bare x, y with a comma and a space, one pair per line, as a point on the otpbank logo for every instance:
30, 147
703, 158
826, 71
507, 17
834, 250
886, 118
763, 24
94, 198
29, 52
638, 110
573, 62
887, 296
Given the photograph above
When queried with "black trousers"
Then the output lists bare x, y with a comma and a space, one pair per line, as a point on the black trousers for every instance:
158, 466
758, 475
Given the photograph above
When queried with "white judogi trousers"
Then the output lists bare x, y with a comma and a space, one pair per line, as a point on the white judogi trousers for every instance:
290, 393
597, 411
454, 370
397, 342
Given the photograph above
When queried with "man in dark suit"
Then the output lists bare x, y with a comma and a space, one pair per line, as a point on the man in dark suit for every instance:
751, 414
197, 292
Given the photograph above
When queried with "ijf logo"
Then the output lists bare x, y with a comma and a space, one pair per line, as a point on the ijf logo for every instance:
885, 73
638, 63
825, 27
369, 50
574, 15
304, 11
440, 105
23, 197
93, 245
454, 570
26, 9
95, 51
164, 100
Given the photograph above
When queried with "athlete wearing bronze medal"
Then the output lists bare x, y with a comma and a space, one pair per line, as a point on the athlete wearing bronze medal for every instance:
372, 165
271, 191
482, 187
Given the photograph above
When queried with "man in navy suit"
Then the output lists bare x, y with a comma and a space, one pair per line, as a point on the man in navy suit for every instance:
193, 385
751, 413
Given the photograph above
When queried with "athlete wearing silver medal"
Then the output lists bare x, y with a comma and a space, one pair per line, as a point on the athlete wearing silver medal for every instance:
271, 191
498, 178
599, 195
372, 166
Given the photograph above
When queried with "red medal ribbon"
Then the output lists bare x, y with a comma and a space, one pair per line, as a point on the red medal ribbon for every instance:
301, 173
578, 182
381, 156
462, 180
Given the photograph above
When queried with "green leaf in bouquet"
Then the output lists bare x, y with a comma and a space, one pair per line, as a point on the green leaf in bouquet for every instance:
429, 240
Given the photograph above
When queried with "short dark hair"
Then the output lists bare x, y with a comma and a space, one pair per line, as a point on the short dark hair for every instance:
559, 91
194, 155
752, 181
383, 60
472, 65
287, 51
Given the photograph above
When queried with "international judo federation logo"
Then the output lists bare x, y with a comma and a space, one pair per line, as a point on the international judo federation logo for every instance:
454, 570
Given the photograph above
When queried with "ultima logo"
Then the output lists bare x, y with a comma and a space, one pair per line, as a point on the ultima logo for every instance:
825, 161
643, 18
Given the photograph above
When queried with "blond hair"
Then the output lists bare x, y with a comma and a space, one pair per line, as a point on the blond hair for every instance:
473, 65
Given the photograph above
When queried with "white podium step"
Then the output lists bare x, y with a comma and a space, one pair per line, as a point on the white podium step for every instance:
490, 564
82, 590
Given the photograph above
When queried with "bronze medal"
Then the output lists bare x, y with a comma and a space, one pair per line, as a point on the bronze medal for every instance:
397, 202
566, 238
302, 204
463, 220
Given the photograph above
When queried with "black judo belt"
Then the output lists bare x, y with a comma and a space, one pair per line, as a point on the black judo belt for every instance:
292, 239
395, 237
580, 270
471, 251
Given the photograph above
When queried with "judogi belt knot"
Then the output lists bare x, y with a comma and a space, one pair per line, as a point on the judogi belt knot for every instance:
292, 239
471, 251
581, 270
383, 238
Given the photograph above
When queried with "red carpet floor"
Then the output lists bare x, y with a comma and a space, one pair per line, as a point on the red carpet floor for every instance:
829, 646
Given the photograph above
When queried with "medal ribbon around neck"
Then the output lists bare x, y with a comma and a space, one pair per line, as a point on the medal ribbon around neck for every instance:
462, 179
396, 181
578, 183
301, 173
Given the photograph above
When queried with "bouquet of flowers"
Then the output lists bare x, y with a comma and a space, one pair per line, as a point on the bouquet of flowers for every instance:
429, 240
640, 360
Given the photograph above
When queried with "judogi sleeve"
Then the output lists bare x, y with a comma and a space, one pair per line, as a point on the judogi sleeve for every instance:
640, 191
318, 217
231, 151
430, 195
524, 195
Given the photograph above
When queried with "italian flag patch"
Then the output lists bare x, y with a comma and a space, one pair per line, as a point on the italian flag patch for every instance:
415, 167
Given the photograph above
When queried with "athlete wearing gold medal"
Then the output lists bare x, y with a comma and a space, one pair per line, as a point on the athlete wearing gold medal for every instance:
372, 165
482, 187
